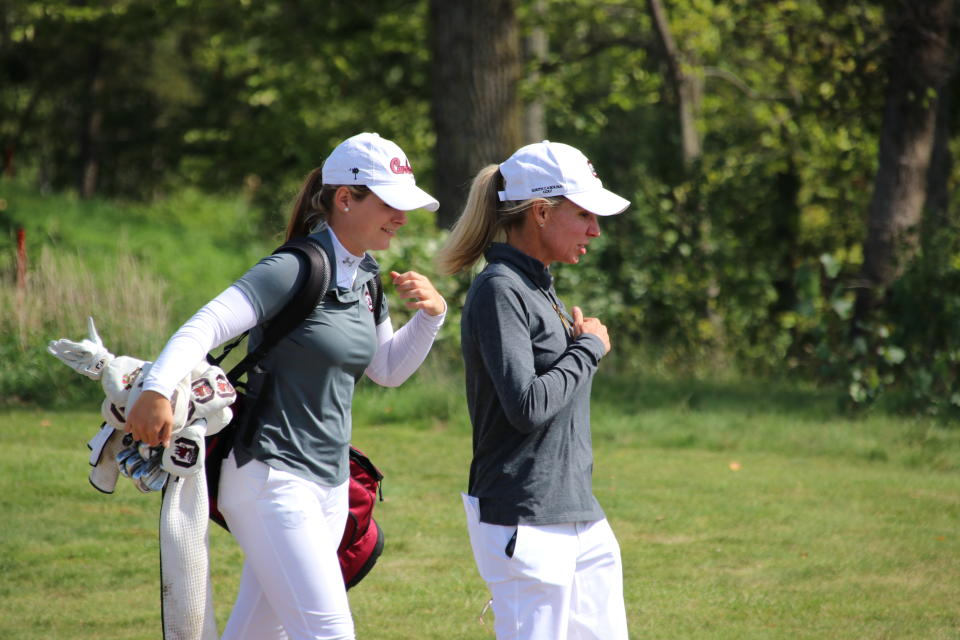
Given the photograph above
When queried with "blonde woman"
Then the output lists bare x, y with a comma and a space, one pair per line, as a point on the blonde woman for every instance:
540, 538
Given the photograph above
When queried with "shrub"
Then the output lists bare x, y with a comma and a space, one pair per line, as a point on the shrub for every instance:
128, 303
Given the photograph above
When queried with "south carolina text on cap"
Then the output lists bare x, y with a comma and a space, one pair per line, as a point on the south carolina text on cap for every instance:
546, 169
380, 164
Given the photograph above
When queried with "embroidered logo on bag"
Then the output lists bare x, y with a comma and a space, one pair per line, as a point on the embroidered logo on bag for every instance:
129, 378
366, 296
186, 453
202, 391
224, 388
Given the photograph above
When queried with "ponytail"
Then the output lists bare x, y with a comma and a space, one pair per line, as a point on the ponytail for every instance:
477, 225
314, 204
485, 219
306, 210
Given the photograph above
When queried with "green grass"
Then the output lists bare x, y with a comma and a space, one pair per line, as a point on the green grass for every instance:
139, 269
743, 510
195, 243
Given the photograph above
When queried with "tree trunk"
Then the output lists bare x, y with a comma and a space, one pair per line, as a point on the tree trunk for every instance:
686, 88
475, 107
535, 48
918, 68
785, 232
91, 125
941, 160
9, 170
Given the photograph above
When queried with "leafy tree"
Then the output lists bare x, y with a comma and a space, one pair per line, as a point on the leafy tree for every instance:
79, 96
755, 139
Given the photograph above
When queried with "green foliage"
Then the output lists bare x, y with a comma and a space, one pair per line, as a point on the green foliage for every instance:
922, 348
194, 242
414, 249
746, 257
139, 270
705, 259
749, 257
54, 300
228, 96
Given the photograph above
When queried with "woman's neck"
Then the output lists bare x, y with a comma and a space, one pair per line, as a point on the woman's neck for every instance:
347, 262
522, 239
344, 240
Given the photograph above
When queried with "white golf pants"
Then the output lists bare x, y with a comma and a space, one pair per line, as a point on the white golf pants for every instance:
289, 529
562, 582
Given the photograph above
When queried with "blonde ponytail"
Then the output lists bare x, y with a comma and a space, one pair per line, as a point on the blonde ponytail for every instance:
485, 219
477, 225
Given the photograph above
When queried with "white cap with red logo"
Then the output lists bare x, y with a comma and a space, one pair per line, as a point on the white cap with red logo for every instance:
380, 164
546, 169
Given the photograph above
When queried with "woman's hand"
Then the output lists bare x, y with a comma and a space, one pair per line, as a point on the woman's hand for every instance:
418, 292
583, 325
150, 419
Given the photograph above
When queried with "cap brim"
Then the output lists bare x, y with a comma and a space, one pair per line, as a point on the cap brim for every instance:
599, 201
405, 197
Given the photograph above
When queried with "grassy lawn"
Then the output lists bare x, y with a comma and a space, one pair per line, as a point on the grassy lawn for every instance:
743, 510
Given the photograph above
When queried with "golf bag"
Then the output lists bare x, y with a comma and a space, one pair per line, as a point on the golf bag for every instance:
362, 541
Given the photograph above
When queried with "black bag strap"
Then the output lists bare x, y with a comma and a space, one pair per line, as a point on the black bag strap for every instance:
296, 311
375, 286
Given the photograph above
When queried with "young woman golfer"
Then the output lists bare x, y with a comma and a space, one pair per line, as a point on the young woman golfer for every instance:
539, 537
284, 496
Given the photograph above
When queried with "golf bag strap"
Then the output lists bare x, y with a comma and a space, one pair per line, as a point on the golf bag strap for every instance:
376, 292
296, 311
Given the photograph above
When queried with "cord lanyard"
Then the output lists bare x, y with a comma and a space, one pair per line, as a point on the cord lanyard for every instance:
556, 307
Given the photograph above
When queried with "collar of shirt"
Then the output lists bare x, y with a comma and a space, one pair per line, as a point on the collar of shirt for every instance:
531, 267
347, 263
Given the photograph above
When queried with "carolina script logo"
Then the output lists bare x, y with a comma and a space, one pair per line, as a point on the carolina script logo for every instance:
398, 166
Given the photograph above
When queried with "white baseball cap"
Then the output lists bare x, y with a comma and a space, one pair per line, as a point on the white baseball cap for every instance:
546, 169
380, 164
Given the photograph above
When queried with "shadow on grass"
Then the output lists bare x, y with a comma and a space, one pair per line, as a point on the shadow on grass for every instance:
748, 396
435, 396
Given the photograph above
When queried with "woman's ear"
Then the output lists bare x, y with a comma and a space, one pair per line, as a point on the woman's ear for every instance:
341, 199
538, 212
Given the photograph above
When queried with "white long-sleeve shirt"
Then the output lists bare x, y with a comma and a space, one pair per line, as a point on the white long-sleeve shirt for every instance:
228, 315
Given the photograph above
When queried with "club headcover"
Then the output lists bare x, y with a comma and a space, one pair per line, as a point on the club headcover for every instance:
119, 377
211, 394
88, 357
104, 448
114, 416
179, 399
219, 420
184, 456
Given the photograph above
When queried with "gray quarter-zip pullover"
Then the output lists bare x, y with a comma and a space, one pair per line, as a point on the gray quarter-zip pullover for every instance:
528, 393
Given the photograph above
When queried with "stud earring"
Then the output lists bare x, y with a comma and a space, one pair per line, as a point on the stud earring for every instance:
540, 224
346, 208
